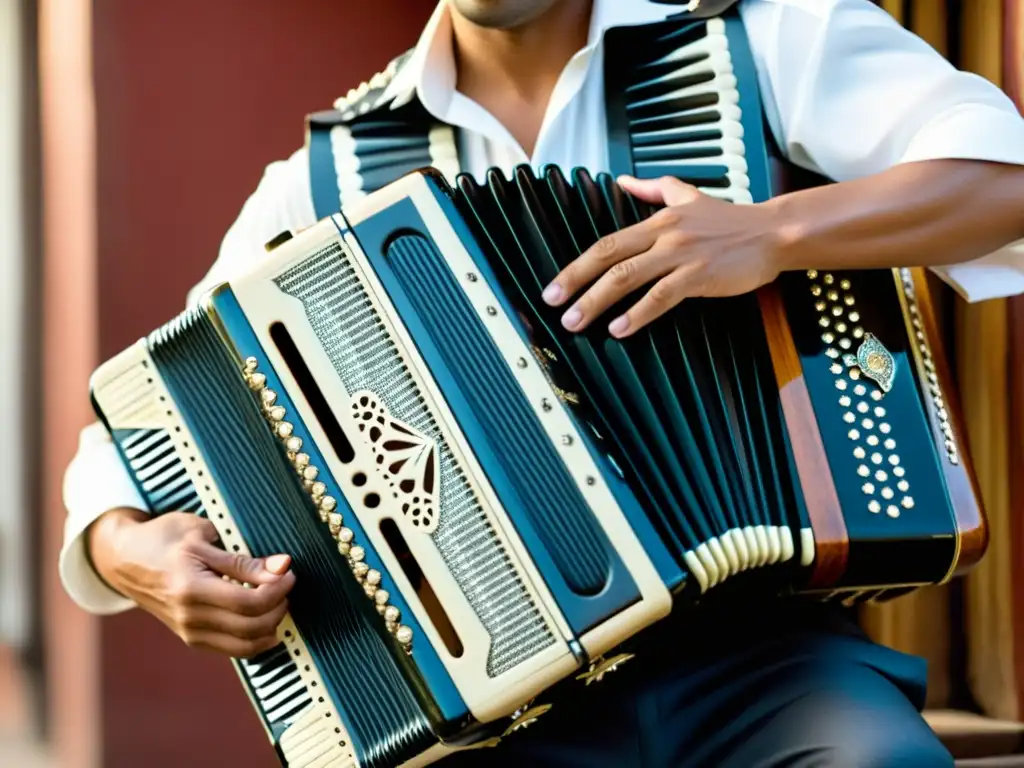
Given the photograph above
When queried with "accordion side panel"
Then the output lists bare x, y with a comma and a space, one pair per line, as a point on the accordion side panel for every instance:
945, 416
831, 541
857, 354
134, 403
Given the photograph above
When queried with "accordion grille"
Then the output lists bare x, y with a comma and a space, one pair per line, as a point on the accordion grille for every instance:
364, 357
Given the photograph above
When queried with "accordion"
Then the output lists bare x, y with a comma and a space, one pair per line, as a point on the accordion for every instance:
479, 504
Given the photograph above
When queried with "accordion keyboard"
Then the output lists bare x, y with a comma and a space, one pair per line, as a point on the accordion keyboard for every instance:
155, 440
160, 472
275, 683
676, 109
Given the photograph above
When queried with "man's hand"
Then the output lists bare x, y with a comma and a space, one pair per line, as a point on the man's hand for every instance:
695, 246
170, 567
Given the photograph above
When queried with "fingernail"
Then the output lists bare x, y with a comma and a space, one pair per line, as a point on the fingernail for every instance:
277, 564
572, 318
618, 325
553, 294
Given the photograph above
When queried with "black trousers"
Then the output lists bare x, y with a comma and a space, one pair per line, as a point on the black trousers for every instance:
786, 683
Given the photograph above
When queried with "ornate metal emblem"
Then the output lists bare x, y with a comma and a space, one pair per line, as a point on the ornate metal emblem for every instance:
876, 362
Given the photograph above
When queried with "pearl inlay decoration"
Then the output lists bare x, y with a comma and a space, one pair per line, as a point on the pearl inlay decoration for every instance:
934, 389
834, 303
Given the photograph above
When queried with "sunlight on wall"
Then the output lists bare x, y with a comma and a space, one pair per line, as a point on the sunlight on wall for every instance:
13, 534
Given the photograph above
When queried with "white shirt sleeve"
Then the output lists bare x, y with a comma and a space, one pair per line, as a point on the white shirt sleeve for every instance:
849, 93
96, 480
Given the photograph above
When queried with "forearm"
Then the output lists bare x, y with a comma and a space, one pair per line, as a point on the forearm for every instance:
917, 214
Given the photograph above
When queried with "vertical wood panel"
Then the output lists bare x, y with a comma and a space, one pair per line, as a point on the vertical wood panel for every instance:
983, 344
1015, 364
1013, 81
930, 22
982, 352
895, 9
982, 39
1013, 43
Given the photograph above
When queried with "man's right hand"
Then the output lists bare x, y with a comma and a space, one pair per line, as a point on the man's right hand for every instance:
171, 567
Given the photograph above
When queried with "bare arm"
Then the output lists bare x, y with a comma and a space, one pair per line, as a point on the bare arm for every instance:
928, 213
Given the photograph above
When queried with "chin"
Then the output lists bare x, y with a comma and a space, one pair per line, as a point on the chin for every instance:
502, 14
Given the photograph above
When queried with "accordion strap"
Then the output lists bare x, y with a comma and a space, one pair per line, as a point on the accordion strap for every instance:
369, 139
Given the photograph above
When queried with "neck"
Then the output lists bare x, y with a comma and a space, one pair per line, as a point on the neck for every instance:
512, 72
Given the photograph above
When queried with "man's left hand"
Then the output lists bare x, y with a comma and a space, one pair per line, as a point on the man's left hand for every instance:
695, 246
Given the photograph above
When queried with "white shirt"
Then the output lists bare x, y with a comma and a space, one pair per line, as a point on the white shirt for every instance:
848, 93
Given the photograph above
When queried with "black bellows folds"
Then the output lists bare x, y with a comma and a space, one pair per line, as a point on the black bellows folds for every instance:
274, 513
688, 408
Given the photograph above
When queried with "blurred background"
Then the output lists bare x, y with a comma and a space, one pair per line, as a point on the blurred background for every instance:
131, 133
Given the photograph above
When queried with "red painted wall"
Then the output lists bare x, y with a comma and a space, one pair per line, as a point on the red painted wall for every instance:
193, 99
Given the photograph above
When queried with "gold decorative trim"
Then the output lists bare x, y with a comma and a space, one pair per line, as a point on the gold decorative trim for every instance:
602, 666
526, 716
368, 577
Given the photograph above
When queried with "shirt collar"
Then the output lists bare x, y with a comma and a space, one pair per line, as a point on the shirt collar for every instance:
430, 71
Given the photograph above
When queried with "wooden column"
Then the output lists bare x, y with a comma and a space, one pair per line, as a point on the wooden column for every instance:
69, 355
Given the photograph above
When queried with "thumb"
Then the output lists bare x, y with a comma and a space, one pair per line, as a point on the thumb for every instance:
246, 569
666, 190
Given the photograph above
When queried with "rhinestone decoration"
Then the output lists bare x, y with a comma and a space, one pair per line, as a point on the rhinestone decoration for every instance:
326, 505
858, 361
950, 444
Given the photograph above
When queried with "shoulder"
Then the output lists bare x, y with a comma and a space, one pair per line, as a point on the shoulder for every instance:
281, 201
283, 193
796, 16
816, 8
